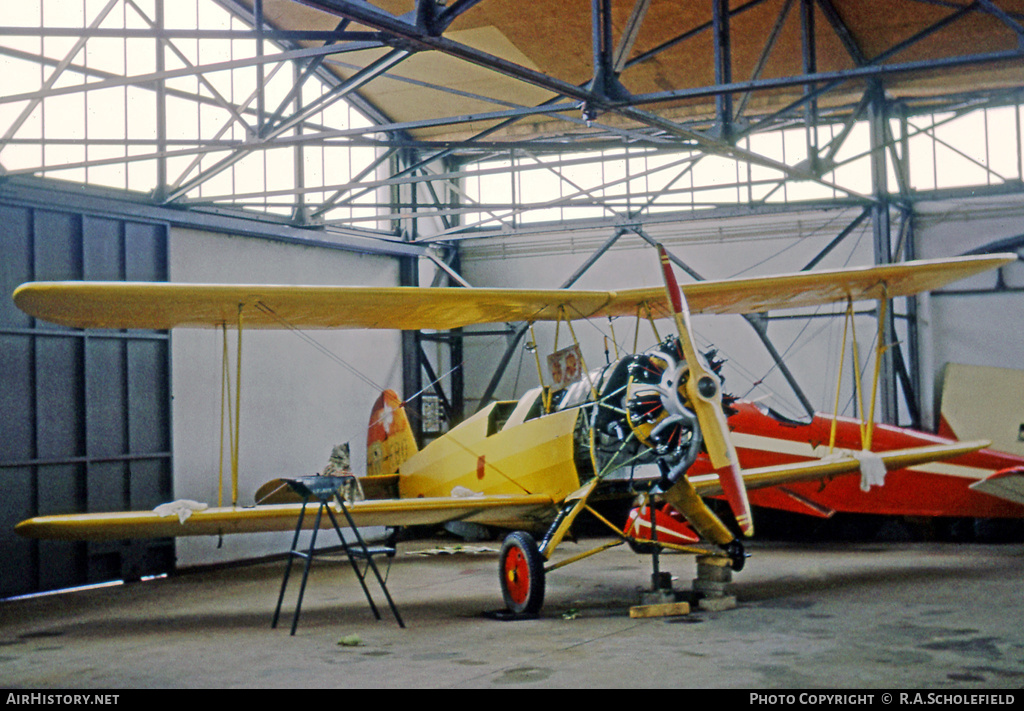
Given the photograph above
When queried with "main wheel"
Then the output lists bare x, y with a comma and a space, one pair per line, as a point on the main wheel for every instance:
521, 571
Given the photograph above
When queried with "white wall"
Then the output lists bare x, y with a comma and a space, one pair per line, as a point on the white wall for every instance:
974, 329
297, 402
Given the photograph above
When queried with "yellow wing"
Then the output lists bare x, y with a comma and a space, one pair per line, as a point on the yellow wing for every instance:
842, 463
504, 511
160, 305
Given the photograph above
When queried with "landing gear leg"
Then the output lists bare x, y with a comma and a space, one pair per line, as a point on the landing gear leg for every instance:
521, 572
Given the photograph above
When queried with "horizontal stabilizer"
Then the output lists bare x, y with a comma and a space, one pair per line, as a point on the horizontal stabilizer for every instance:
1007, 484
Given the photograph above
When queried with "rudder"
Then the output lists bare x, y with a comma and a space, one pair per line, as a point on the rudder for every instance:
982, 402
389, 438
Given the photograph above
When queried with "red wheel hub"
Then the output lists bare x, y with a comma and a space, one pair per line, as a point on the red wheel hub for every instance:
517, 575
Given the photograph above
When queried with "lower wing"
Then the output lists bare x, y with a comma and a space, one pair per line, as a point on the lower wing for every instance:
842, 462
526, 511
504, 511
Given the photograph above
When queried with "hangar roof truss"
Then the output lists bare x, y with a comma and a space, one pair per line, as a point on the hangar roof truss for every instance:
360, 114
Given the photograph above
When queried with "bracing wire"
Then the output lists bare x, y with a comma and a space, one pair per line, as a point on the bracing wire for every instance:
319, 346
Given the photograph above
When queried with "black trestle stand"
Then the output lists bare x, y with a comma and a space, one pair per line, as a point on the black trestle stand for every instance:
325, 489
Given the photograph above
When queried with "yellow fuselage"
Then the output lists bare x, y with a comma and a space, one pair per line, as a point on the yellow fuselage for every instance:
485, 456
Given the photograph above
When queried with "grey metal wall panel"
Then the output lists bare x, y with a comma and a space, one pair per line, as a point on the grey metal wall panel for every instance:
60, 488
61, 564
107, 486
59, 380
87, 423
17, 560
149, 424
15, 261
147, 483
105, 398
145, 252
17, 434
102, 249
57, 244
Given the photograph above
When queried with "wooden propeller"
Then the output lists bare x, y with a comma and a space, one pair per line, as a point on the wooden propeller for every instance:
704, 393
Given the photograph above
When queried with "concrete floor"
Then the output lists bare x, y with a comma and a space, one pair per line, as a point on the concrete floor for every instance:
882, 616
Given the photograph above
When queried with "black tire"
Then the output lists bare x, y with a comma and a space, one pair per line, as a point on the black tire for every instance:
521, 573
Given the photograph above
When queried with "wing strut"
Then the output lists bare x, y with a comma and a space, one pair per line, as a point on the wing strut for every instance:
880, 348
867, 425
230, 411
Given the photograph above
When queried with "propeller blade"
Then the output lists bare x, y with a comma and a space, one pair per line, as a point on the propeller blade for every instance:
705, 395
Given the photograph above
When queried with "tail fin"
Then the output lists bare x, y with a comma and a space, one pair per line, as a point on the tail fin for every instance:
389, 440
981, 402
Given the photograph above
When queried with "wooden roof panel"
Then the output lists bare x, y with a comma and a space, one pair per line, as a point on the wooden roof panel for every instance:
554, 37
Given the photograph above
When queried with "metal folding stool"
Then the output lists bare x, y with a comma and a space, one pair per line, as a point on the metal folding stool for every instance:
325, 489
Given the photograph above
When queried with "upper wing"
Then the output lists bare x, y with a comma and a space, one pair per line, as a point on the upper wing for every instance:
842, 463
517, 511
161, 305
743, 296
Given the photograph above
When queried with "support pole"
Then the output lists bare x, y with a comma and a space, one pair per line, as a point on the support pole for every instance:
882, 229
160, 190
412, 372
238, 413
810, 56
723, 67
261, 97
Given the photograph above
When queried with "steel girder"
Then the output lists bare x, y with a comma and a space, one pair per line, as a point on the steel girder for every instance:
268, 127
604, 94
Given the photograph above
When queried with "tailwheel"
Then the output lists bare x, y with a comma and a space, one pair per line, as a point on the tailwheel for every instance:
521, 570
737, 555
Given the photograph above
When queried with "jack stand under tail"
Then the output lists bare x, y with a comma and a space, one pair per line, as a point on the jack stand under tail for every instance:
712, 588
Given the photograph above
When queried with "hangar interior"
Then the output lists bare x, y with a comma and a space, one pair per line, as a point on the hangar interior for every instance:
469, 143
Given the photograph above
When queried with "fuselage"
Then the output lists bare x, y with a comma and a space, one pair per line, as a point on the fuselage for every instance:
514, 447
935, 489
506, 448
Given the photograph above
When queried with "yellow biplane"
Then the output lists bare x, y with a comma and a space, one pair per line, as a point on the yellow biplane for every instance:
631, 428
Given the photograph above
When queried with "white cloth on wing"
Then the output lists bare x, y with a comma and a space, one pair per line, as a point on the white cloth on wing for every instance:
872, 469
872, 466
182, 508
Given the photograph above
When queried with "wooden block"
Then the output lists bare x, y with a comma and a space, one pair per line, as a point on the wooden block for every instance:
715, 560
710, 587
717, 604
668, 609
